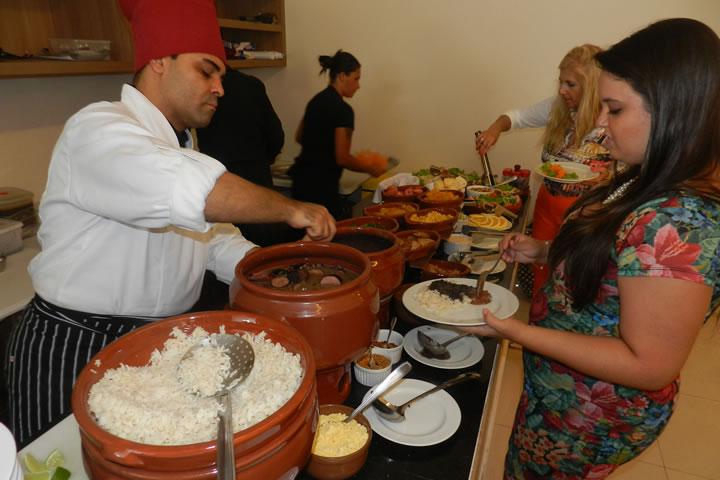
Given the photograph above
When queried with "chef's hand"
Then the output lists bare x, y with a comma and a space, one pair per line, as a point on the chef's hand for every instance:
521, 248
496, 327
315, 219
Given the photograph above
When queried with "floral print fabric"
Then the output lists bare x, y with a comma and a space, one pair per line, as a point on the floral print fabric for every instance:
569, 425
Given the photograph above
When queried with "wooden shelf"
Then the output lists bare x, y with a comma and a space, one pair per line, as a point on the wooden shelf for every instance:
41, 68
256, 63
27, 26
254, 26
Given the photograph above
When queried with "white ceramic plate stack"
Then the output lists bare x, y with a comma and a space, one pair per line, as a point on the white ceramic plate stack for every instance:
10, 468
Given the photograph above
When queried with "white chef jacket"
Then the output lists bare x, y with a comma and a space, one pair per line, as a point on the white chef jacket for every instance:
533, 116
122, 226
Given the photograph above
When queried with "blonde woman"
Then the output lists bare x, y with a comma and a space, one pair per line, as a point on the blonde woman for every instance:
570, 136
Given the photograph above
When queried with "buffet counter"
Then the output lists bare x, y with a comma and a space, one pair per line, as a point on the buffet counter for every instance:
464, 455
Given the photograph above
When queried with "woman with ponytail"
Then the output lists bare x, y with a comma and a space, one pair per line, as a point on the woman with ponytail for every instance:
635, 269
325, 134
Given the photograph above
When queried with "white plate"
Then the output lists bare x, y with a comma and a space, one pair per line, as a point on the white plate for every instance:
583, 172
8, 455
487, 243
478, 263
504, 303
463, 353
429, 421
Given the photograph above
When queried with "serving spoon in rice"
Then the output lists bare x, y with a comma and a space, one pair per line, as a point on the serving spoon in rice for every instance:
241, 359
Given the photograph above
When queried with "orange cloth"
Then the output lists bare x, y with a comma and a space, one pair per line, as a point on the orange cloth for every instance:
547, 218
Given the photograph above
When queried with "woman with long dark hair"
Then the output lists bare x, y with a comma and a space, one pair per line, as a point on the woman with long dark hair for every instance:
635, 267
325, 134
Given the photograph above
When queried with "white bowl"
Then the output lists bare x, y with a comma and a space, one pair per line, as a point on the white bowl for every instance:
394, 354
457, 242
9, 466
371, 377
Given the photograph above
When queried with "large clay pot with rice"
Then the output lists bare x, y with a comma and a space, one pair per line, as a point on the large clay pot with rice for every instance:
339, 322
275, 448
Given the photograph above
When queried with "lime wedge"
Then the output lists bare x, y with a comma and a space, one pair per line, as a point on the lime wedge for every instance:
54, 460
38, 476
61, 474
33, 465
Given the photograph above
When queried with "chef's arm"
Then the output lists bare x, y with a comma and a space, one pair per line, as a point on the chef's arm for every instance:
343, 157
236, 200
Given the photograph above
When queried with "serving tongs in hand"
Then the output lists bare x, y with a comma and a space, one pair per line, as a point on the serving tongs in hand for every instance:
485, 161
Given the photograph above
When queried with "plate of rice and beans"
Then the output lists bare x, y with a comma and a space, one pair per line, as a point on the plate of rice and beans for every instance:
450, 301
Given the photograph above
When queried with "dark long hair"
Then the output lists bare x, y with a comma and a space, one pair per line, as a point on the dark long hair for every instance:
674, 65
341, 62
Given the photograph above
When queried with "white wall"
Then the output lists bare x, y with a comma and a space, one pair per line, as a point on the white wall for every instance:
434, 71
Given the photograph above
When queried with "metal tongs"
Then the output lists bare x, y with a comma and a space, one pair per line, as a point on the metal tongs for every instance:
487, 171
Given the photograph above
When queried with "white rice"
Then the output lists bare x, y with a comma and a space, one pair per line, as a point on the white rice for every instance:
438, 303
149, 405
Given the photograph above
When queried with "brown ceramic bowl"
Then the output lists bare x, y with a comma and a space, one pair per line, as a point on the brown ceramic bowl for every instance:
321, 316
419, 220
443, 269
415, 252
268, 449
339, 468
372, 221
441, 199
404, 193
395, 210
387, 260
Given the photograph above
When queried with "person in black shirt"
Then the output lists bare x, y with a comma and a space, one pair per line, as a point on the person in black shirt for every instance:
246, 135
325, 134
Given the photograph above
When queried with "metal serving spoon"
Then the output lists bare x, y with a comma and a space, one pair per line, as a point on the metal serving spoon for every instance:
392, 378
396, 413
242, 359
434, 349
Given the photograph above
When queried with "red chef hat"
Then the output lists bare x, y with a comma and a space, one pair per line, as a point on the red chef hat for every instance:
170, 27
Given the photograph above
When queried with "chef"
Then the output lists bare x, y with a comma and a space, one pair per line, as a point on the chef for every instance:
128, 214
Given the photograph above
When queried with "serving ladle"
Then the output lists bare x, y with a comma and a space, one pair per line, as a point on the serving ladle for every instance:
396, 413
433, 348
242, 358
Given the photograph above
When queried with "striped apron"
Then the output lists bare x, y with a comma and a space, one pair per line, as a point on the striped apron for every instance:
47, 350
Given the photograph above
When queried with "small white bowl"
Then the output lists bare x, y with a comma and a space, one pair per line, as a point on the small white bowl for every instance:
371, 377
394, 354
457, 242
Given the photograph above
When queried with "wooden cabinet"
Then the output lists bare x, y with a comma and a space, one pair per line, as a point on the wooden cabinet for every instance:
27, 25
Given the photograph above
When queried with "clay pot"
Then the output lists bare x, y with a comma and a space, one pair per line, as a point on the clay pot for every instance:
443, 269
372, 221
444, 227
396, 210
387, 265
339, 323
455, 199
270, 449
421, 253
339, 468
404, 193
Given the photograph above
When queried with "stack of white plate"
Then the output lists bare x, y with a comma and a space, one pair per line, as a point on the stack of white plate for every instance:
10, 468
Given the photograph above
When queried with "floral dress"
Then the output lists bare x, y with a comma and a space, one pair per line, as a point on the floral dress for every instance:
570, 425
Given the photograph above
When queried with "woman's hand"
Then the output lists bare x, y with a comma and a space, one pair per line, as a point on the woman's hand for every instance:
315, 219
495, 327
521, 248
485, 140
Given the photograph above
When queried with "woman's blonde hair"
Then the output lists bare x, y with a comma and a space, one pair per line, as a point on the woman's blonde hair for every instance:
580, 60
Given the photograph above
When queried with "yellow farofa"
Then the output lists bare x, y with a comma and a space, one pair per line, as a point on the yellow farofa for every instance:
335, 438
430, 217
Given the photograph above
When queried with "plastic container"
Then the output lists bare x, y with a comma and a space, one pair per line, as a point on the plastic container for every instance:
10, 237
81, 49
